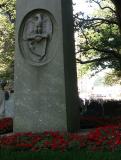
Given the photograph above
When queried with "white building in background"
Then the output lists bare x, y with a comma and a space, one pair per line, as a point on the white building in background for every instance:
94, 88
88, 90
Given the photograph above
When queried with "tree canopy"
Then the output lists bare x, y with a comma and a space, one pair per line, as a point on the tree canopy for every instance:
7, 38
99, 43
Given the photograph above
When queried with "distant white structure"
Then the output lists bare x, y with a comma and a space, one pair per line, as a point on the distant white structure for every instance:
89, 90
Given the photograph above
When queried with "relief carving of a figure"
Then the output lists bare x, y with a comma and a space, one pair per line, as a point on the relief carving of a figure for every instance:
37, 33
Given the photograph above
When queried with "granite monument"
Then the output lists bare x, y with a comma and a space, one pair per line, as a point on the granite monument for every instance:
46, 95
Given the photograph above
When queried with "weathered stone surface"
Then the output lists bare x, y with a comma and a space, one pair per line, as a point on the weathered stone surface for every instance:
45, 81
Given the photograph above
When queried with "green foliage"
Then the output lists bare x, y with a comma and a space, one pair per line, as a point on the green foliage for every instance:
99, 47
82, 69
57, 155
113, 77
8, 8
99, 39
7, 38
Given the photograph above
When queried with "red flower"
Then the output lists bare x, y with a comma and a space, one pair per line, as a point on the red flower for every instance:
46, 144
24, 145
53, 146
118, 141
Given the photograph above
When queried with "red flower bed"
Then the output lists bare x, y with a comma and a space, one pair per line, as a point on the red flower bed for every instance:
47, 140
105, 138
102, 138
6, 125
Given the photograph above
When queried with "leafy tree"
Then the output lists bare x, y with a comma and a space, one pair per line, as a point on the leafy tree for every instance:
100, 39
7, 38
117, 4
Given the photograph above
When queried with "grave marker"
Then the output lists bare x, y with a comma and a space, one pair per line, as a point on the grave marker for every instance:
45, 73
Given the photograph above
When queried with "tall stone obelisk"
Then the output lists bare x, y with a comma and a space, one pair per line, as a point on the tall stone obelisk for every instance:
45, 70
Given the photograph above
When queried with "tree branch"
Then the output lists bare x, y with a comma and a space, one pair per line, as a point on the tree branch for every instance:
97, 19
106, 7
113, 53
109, 51
93, 60
10, 17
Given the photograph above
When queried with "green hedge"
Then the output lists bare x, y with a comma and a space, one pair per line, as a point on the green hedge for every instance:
58, 155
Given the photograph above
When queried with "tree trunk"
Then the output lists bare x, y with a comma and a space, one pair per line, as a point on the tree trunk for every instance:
117, 4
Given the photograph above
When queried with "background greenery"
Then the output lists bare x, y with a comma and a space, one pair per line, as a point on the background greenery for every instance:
58, 155
99, 43
7, 38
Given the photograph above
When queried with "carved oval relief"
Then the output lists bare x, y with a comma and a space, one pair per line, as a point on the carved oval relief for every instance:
35, 36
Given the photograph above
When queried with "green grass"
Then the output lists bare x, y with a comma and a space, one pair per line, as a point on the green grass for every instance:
58, 155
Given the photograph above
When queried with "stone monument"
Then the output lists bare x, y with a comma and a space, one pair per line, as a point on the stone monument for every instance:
45, 71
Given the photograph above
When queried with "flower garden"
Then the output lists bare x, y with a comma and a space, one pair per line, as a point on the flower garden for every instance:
102, 143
